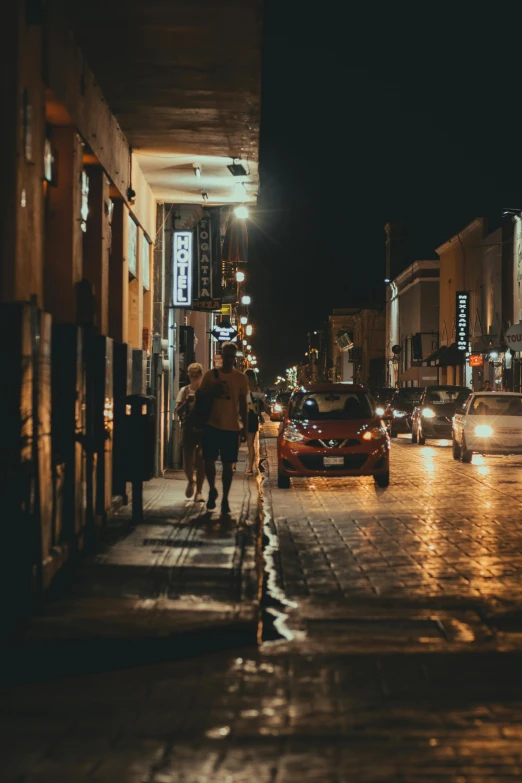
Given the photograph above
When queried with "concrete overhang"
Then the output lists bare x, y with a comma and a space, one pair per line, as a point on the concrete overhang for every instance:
183, 80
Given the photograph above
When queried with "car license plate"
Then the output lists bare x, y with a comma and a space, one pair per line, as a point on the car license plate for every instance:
333, 461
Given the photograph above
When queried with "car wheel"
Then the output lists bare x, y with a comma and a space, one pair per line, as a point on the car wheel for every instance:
465, 454
456, 450
283, 482
382, 479
413, 435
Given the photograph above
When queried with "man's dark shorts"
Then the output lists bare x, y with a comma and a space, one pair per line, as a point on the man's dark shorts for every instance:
220, 442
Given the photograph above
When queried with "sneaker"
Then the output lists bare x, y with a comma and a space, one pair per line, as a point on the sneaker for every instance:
225, 507
199, 498
189, 490
212, 495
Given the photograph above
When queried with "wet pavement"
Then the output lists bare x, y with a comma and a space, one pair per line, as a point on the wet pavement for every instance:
399, 659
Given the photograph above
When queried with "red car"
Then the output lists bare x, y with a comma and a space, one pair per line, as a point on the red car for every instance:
332, 430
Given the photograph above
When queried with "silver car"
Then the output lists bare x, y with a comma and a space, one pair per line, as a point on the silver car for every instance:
488, 423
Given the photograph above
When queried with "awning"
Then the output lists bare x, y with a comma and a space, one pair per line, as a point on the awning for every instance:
447, 356
235, 245
420, 374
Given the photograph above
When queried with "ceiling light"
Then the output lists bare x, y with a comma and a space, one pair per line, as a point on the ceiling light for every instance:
236, 168
241, 212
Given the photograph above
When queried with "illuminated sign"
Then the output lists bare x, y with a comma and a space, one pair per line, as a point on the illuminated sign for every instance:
204, 259
462, 319
182, 269
224, 332
207, 305
476, 360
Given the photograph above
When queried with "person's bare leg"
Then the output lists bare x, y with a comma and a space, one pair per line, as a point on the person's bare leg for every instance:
210, 472
200, 470
227, 479
189, 457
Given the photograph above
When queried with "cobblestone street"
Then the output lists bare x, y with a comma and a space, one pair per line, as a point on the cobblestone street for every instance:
398, 659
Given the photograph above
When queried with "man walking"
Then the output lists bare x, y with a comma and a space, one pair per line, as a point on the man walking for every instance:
223, 431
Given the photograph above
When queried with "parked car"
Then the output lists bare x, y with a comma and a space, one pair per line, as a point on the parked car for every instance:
488, 423
433, 416
399, 411
333, 430
279, 406
382, 396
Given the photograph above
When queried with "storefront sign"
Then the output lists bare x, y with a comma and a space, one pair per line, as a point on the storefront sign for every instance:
226, 309
224, 332
206, 305
204, 258
462, 318
514, 337
476, 360
182, 269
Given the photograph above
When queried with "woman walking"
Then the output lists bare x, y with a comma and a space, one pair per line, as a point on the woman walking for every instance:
255, 406
191, 435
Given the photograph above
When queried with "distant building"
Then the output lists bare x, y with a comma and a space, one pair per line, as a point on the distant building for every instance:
357, 346
412, 324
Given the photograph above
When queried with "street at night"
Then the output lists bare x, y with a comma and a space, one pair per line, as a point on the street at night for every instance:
393, 633
261, 393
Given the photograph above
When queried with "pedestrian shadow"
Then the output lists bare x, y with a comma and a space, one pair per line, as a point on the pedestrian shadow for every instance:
216, 526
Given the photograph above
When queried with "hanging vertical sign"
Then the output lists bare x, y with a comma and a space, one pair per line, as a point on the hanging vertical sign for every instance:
204, 259
182, 269
462, 318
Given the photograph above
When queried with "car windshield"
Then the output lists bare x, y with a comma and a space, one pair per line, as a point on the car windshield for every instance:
410, 395
496, 405
318, 406
444, 396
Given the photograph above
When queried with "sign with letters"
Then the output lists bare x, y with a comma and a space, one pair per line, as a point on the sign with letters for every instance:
182, 269
224, 332
207, 305
462, 318
204, 245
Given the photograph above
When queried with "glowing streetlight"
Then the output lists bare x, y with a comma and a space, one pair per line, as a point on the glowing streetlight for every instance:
249, 329
240, 276
241, 212
245, 300
244, 320
244, 342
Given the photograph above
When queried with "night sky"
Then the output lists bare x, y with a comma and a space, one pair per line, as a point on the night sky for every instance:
366, 117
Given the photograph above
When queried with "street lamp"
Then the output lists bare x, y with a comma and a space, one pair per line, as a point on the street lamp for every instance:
245, 300
249, 329
240, 276
244, 320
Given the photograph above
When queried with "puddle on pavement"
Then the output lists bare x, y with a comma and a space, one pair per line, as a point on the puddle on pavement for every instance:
274, 603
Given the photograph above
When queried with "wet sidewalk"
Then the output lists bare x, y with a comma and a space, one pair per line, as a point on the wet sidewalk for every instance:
182, 582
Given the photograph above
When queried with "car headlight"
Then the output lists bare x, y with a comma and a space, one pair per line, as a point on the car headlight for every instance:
399, 414
483, 431
427, 413
278, 408
379, 411
374, 433
293, 435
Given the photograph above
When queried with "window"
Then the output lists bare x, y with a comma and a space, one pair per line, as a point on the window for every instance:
132, 239
319, 406
145, 260
496, 405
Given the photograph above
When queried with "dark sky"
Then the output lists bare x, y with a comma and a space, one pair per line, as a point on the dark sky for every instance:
370, 116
